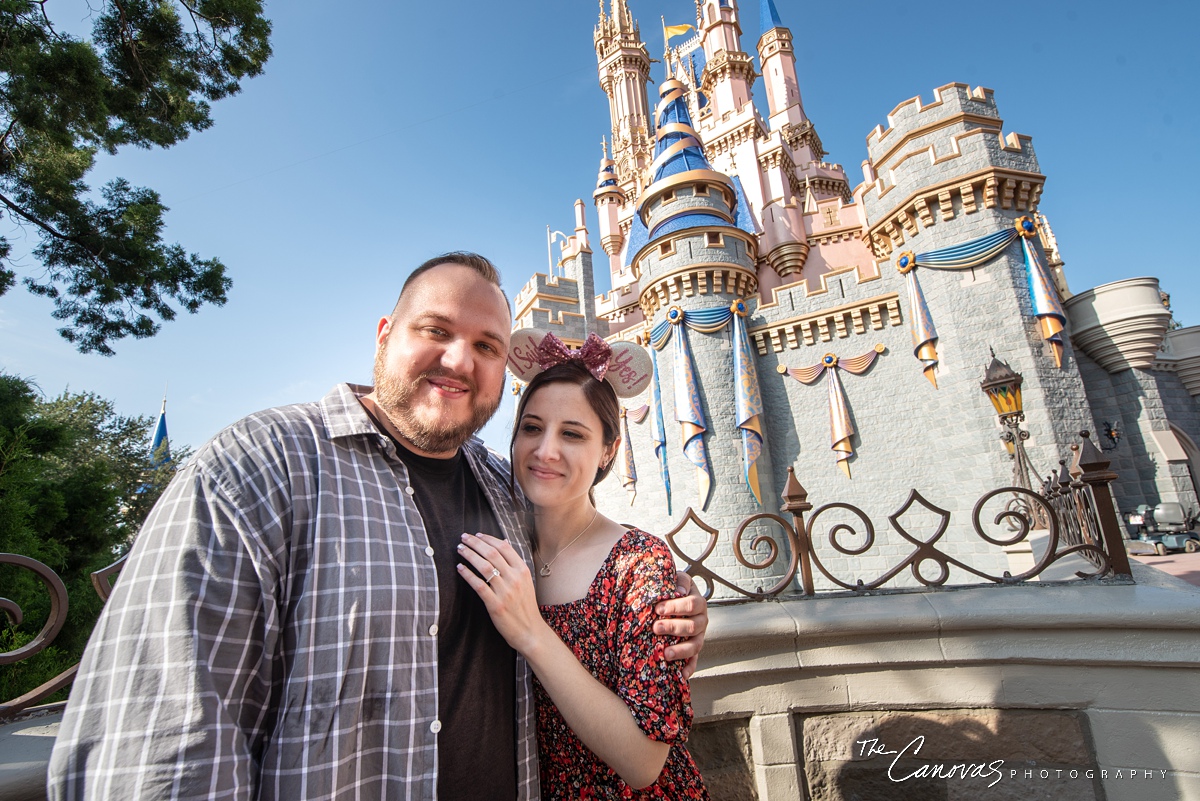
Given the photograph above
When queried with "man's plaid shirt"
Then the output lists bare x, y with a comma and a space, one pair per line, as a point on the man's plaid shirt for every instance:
270, 635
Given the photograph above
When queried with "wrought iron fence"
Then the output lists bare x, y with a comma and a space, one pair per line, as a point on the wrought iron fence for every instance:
102, 580
1075, 509
1076, 506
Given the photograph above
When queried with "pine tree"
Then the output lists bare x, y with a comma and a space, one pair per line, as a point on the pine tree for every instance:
145, 78
76, 482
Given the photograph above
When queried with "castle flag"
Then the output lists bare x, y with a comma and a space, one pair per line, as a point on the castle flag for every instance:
160, 441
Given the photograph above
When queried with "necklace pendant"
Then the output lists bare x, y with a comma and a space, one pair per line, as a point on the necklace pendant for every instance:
545, 571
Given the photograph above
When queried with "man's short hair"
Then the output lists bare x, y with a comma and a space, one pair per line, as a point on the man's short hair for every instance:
473, 261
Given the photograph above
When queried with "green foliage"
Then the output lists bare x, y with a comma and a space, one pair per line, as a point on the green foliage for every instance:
146, 78
76, 481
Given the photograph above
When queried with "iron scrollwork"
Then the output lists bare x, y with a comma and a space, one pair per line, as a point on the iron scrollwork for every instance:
1072, 510
696, 568
103, 582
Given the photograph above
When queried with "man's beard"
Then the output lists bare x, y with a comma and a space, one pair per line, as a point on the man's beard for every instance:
395, 398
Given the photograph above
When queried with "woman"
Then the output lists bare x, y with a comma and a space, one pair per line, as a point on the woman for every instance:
586, 628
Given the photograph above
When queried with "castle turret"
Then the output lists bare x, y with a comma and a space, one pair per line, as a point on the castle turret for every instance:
609, 198
728, 72
695, 269
778, 60
624, 67
564, 306
944, 176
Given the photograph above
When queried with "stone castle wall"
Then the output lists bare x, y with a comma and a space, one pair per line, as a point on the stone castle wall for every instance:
940, 174
1142, 403
1045, 679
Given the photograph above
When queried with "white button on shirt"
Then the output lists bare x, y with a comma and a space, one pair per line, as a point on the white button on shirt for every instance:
429, 550
409, 490
436, 726
433, 630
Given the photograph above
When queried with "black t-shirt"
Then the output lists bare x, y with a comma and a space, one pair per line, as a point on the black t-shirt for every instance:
477, 752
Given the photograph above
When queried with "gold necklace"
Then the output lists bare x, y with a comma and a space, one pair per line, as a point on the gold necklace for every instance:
545, 571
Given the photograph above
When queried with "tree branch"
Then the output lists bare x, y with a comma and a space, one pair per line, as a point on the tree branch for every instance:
46, 17
4, 139
131, 44
212, 24
50, 229
190, 5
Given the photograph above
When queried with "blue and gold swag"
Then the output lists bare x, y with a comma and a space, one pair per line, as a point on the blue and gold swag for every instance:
688, 410
1047, 307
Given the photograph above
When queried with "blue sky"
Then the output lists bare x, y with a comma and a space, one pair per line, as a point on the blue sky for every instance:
384, 133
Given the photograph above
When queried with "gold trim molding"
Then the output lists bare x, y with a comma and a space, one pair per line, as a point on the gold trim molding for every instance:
826, 324
711, 278
986, 188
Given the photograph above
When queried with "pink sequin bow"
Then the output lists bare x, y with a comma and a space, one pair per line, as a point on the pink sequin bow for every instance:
595, 354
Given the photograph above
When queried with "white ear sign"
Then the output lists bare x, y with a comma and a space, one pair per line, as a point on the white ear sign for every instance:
629, 369
522, 353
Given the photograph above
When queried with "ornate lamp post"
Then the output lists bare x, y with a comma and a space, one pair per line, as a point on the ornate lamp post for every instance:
1002, 385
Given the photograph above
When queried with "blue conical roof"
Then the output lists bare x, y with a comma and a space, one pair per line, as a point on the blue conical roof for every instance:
678, 149
679, 160
768, 17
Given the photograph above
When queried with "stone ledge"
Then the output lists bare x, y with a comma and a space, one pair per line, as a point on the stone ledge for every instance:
25, 746
1159, 618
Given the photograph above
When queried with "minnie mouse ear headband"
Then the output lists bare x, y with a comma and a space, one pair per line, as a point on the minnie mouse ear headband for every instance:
623, 364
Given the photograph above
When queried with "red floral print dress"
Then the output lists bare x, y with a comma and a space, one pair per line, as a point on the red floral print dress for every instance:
609, 629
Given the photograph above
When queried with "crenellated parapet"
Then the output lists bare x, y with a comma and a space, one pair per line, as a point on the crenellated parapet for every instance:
732, 137
619, 307
825, 325
546, 298
727, 65
668, 286
802, 135
940, 160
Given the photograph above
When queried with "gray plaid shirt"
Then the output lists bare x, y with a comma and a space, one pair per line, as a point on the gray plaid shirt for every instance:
273, 633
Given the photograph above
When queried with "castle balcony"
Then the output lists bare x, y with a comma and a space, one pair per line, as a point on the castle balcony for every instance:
1120, 325
1184, 345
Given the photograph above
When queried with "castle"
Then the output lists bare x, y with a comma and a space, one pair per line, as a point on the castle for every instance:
799, 321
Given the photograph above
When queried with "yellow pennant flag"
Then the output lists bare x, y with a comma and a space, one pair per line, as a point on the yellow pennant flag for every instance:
676, 30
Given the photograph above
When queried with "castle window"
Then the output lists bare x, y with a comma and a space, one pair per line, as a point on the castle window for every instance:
666, 248
668, 196
713, 240
701, 189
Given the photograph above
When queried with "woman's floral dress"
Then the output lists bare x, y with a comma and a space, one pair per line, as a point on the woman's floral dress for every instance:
609, 629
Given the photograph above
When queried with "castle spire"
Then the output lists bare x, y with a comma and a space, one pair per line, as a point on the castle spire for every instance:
679, 159
768, 16
624, 69
728, 71
778, 59
622, 17
609, 199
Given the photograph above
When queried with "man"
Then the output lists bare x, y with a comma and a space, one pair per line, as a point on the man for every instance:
290, 623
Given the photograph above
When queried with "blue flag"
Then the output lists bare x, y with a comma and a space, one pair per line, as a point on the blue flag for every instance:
160, 439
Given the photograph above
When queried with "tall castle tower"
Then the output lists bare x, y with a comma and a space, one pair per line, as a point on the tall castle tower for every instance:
797, 322
624, 71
